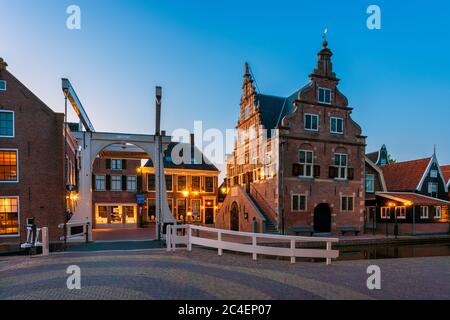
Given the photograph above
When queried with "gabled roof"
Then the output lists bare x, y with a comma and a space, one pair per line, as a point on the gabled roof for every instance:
193, 165
405, 176
446, 172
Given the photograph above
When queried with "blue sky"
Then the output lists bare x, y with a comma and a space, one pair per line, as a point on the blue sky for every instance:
397, 78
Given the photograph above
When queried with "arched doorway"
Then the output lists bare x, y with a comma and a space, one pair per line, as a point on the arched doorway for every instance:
234, 217
322, 218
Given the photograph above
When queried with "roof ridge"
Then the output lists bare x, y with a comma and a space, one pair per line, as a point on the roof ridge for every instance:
407, 161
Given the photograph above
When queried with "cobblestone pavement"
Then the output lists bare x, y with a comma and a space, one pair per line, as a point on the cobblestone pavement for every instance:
201, 274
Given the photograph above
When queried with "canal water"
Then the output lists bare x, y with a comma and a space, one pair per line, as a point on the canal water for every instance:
383, 251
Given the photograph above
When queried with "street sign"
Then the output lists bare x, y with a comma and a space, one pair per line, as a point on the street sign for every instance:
140, 199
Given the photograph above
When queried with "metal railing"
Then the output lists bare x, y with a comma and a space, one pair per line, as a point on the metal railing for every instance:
182, 234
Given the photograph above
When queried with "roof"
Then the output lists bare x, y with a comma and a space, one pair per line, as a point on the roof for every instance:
193, 165
373, 156
273, 108
446, 172
378, 170
405, 176
414, 198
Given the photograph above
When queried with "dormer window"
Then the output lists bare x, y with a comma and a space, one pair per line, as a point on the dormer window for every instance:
2, 85
311, 122
324, 95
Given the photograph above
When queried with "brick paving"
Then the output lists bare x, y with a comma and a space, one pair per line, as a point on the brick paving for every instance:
201, 274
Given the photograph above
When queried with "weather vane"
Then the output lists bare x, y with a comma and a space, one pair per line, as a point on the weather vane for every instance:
324, 35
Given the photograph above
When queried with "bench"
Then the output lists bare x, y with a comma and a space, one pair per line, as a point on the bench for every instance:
298, 230
345, 229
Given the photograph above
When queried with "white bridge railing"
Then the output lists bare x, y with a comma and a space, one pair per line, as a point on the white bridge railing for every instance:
182, 234
75, 230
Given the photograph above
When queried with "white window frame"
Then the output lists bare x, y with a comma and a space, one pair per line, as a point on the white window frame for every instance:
331, 125
13, 121
433, 173
318, 95
436, 214
306, 164
339, 167
298, 195
422, 211
112, 183
18, 218
104, 182
3, 81
17, 166
342, 202
402, 212
372, 184
135, 183
429, 188
311, 115
385, 212
114, 161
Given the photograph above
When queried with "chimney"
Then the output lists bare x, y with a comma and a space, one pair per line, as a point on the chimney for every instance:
3, 64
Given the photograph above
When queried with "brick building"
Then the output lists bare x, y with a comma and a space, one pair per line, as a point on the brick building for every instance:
309, 172
192, 187
33, 178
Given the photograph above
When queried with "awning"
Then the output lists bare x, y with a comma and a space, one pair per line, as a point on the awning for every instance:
413, 198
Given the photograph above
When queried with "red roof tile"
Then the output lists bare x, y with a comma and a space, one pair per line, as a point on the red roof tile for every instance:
414, 198
446, 172
404, 176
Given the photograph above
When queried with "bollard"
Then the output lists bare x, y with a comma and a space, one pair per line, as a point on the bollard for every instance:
45, 246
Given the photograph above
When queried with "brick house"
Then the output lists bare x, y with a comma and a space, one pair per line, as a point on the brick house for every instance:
33, 178
310, 172
116, 182
192, 187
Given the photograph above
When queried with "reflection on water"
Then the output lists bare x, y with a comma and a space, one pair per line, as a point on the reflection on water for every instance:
393, 251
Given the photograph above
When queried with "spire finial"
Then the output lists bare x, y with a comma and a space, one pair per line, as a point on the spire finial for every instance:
434, 149
246, 69
324, 37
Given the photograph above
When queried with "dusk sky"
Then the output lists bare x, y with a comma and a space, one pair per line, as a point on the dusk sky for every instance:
396, 79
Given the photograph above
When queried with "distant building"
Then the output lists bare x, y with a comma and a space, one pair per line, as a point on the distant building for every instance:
310, 173
192, 187
38, 163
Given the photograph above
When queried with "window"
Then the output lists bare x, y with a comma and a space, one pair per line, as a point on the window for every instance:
433, 189
195, 183
2, 85
151, 183
306, 163
181, 209
324, 95
196, 204
6, 124
433, 173
169, 182
9, 216
151, 209
385, 213
311, 122
8, 166
116, 183
116, 164
247, 112
346, 203
181, 183
336, 125
131, 183
437, 213
209, 184
340, 161
400, 212
298, 202
424, 212
100, 183
370, 183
